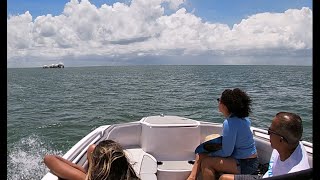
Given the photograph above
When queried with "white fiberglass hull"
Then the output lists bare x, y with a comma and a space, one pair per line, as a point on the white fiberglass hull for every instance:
161, 147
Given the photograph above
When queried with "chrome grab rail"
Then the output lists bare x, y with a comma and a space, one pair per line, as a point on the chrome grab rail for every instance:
265, 132
260, 131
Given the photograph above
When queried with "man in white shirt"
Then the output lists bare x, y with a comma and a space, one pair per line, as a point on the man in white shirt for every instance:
289, 154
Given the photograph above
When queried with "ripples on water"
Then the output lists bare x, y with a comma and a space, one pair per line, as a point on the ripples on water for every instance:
49, 110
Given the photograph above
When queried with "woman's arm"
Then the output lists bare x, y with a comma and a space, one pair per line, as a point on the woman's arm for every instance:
64, 168
229, 135
71, 164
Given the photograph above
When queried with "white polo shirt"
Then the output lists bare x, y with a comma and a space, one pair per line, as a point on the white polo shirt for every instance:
296, 162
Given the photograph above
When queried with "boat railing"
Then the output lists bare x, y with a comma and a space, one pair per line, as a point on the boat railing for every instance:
78, 150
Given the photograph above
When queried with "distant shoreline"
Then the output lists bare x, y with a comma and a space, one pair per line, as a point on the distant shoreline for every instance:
164, 65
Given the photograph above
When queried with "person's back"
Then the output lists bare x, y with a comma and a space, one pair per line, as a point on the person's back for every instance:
237, 139
238, 153
244, 143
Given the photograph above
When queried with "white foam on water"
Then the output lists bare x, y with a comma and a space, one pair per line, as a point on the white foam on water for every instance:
25, 159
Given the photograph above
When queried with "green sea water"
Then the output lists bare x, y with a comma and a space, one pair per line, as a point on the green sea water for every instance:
49, 110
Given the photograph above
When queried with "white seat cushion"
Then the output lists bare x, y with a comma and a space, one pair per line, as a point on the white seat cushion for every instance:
144, 164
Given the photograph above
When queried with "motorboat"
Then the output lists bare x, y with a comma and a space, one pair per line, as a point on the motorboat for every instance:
163, 147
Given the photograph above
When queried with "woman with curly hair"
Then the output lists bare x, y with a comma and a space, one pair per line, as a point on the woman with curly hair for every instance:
107, 161
238, 154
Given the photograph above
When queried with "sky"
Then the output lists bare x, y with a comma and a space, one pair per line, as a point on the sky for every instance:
134, 32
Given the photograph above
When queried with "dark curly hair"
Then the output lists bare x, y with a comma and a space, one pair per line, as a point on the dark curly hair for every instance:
237, 102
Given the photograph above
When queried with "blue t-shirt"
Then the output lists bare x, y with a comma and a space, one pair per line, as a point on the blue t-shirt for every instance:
237, 139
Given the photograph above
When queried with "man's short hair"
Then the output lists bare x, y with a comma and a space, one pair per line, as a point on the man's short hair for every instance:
290, 126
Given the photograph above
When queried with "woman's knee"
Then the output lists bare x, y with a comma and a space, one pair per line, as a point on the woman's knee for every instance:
203, 156
226, 177
91, 148
206, 163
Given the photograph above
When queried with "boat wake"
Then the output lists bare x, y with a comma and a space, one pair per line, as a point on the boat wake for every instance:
24, 161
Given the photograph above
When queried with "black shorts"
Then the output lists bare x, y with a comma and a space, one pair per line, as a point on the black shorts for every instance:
247, 177
247, 166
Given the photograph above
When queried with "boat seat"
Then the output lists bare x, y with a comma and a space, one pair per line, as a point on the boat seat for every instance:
264, 150
144, 164
174, 170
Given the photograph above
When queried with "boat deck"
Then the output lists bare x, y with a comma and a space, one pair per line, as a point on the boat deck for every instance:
162, 147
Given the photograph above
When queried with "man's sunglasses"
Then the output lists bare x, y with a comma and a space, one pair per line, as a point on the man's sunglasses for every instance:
273, 132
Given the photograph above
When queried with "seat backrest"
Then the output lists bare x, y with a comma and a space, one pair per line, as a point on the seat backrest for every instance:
128, 135
170, 143
264, 150
144, 164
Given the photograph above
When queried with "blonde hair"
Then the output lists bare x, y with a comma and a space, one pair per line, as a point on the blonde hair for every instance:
109, 162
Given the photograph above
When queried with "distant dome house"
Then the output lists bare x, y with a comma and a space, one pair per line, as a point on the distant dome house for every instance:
59, 65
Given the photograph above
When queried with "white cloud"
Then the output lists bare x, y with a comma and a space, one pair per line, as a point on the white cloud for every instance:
291, 29
142, 29
19, 32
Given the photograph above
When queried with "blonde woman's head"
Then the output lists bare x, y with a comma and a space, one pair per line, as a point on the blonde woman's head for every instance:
109, 162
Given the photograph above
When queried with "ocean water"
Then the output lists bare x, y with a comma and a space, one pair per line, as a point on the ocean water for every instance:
49, 110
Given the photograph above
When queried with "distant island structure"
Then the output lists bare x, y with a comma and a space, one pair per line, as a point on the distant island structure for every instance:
59, 65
